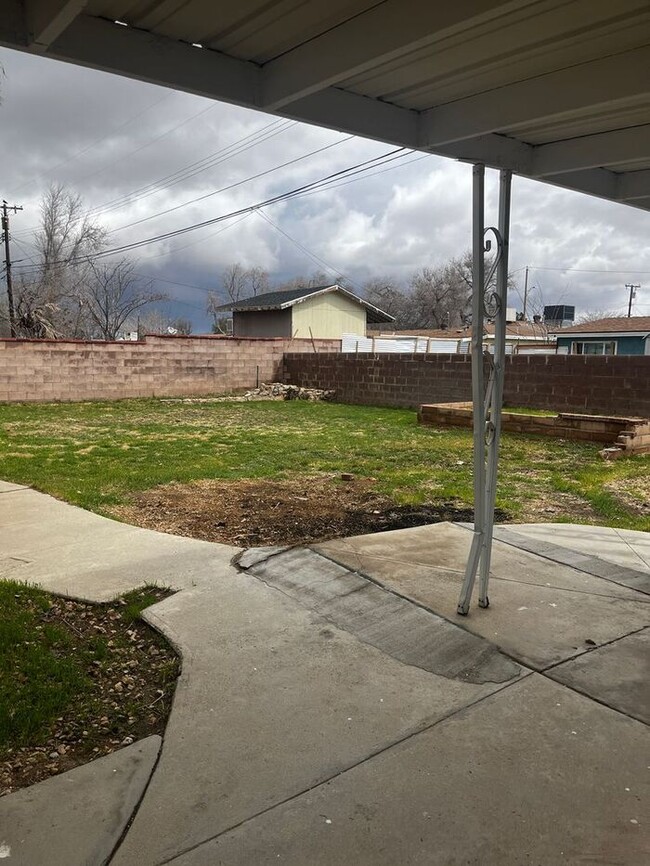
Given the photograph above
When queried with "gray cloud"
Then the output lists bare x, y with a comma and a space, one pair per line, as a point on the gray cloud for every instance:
106, 136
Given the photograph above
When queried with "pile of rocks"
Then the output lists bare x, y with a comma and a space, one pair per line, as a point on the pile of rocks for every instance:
278, 391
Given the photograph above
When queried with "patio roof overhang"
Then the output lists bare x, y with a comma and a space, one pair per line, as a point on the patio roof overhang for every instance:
553, 90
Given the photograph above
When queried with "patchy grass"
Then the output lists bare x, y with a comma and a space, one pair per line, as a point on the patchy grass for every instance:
99, 455
77, 680
524, 410
39, 676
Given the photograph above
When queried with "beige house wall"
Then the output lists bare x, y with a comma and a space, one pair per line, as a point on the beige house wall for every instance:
329, 316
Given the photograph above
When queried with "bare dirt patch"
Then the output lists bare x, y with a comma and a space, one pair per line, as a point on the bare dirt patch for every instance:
257, 512
555, 506
632, 493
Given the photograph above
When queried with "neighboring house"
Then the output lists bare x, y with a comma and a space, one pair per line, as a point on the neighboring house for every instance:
325, 312
615, 336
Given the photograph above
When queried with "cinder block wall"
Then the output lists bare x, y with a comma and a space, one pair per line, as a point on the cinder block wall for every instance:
39, 370
617, 385
384, 380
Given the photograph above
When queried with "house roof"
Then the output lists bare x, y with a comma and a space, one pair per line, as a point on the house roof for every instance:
286, 298
612, 325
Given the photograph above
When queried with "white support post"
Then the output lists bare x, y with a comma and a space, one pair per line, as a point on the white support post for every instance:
486, 401
478, 283
493, 420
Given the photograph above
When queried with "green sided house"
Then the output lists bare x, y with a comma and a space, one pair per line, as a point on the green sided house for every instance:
325, 312
620, 335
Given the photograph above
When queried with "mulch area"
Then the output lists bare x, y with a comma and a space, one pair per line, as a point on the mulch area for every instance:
129, 698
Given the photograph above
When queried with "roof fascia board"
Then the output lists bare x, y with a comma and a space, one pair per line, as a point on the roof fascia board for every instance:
303, 298
365, 303
592, 151
134, 53
598, 334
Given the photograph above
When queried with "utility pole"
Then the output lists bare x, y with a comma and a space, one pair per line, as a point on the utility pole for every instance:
632, 287
525, 293
10, 287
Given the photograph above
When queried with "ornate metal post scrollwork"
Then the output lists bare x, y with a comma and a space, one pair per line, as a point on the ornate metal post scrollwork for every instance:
489, 301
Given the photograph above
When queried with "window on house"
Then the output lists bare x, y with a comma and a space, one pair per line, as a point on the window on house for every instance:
594, 347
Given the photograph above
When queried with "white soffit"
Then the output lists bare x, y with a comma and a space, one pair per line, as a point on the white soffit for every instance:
553, 89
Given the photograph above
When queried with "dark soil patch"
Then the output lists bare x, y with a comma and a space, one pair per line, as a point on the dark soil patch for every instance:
124, 675
257, 512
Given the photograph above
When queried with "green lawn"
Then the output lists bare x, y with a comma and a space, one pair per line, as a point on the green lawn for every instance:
96, 454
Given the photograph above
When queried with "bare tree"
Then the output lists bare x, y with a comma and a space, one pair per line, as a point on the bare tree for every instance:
66, 234
440, 296
154, 321
257, 280
112, 295
388, 295
234, 282
151, 321
436, 297
220, 321
237, 282
181, 326
317, 278
595, 315
48, 300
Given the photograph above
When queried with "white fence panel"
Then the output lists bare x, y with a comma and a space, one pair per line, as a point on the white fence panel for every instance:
384, 345
429, 345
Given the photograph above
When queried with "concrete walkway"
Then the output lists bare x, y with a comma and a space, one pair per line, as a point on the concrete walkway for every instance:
333, 709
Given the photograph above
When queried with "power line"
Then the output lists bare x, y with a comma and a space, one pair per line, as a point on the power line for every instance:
320, 262
248, 215
370, 174
202, 240
232, 185
322, 183
150, 141
171, 282
24, 251
191, 170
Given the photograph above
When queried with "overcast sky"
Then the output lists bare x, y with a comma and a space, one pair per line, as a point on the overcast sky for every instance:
109, 138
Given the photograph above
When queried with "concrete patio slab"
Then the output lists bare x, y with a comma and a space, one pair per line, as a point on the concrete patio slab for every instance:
272, 700
77, 818
387, 621
627, 547
443, 547
322, 717
617, 675
533, 774
542, 613
73, 552
636, 577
